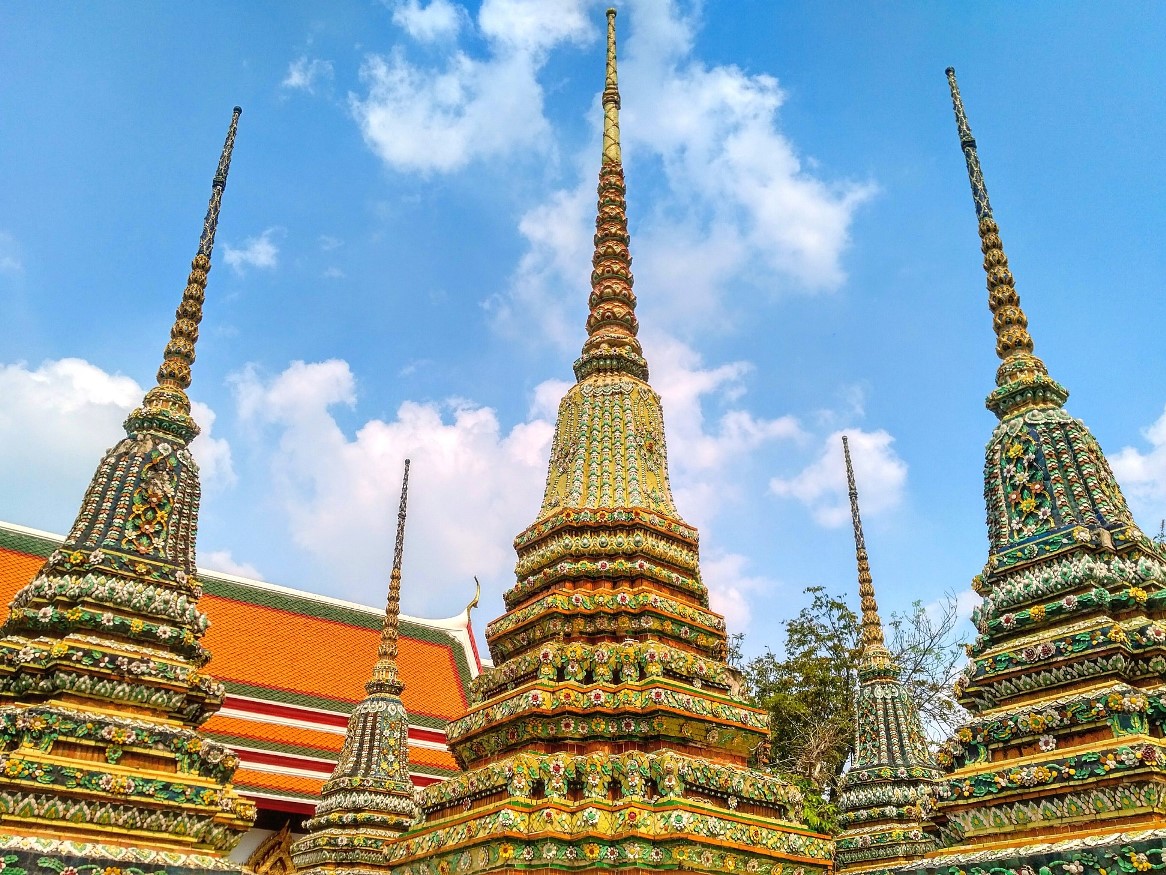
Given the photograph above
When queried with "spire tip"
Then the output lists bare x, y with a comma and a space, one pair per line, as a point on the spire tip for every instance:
872, 626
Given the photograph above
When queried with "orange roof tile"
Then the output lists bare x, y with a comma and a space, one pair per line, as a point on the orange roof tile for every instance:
274, 782
282, 661
287, 703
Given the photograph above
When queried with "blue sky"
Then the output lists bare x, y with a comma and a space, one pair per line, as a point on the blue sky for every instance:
402, 269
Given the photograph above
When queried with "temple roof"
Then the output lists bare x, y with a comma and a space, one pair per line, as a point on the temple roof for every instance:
287, 706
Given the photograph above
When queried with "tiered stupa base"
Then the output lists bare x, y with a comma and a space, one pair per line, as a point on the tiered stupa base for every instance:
34, 855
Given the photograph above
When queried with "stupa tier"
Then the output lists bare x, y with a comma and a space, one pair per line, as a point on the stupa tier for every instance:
101, 682
611, 734
888, 793
1062, 763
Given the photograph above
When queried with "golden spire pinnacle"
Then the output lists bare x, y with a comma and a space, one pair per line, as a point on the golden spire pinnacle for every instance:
872, 626
384, 674
166, 407
611, 343
611, 151
1022, 378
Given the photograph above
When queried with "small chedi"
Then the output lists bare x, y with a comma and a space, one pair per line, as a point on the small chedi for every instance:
1061, 768
102, 767
888, 792
368, 802
611, 735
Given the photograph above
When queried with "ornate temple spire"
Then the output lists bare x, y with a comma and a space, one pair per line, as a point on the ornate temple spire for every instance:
385, 678
166, 407
872, 626
610, 100
368, 801
611, 343
109, 641
1069, 584
1023, 381
887, 793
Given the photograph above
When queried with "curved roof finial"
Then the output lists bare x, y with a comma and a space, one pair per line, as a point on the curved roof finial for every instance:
474, 601
1022, 378
385, 676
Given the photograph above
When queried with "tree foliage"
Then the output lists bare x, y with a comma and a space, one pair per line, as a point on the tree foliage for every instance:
809, 691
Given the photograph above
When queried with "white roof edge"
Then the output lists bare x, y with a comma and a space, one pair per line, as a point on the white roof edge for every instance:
457, 626
28, 530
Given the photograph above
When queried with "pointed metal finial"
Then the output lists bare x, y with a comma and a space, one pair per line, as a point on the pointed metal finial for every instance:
179, 354
206, 243
166, 407
385, 677
611, 148
968, 144
1022, 378
611, 343
399, 544
872, 626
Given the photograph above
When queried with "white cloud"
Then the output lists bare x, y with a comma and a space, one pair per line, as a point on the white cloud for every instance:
223, 562
719, 197
682, 381
880, 474
10, 262
304, 74
732, 589
473, 485
1142, 474
441, 119
260, 252
435, 21
56, 422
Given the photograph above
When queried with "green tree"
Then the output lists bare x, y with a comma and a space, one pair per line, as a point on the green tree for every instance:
809, 690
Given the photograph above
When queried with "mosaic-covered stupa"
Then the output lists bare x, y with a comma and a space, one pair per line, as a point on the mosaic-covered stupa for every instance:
368, 802
1061, 768
888, 792
611, 734
102, 689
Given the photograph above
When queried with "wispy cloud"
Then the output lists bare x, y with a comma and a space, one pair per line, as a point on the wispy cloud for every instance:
336, 486
443, 118
59, 418
821, 485
736, 208
431, 22
1142, 474
260, 252
10, 261
305, 74
223, 562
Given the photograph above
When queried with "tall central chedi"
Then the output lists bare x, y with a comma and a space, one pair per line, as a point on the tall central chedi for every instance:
102, 767
611, 734
1062, 764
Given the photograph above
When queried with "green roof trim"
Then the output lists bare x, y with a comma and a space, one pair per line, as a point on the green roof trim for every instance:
27, 542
